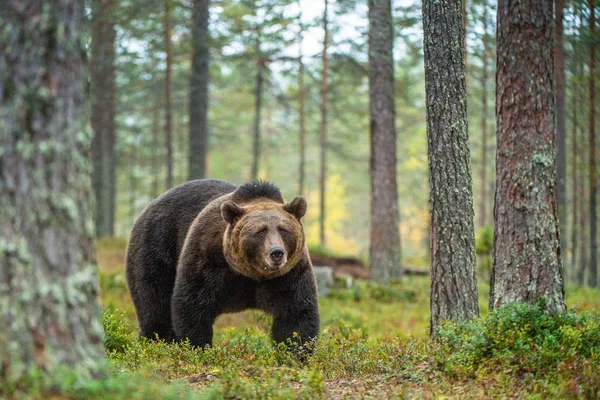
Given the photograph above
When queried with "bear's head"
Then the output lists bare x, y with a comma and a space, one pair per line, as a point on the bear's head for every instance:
263, 239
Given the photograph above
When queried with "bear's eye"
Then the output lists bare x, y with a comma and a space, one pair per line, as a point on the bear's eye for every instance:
283, 231
262, 231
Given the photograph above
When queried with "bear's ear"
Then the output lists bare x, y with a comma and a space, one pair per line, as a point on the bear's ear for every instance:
297, 207
231, 212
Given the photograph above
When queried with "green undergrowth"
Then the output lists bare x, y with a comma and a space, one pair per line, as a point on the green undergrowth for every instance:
373, 344
518, 350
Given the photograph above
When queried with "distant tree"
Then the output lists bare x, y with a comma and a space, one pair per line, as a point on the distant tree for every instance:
485, 58
384, 251
258, 100
301, 105
323, 135
453, 281
527, 264
593, 275
199, 76
561, 133
168, 99
102, 68
49, 310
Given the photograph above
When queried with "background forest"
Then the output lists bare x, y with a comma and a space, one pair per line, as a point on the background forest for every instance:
252, 41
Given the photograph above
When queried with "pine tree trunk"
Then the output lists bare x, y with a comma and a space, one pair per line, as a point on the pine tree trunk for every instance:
527, 261
132, 166
258, 94
155, 162
168, 101
302, 101
484, 119
198, 121
575, 183
593, 275
384, 251
323, 136
49, 312
561, 130
453, 281
582, 197
103, 114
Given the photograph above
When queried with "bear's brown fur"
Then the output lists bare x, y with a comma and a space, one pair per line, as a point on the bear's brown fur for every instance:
208, 247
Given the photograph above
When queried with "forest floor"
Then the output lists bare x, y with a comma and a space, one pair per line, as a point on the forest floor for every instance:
374, 344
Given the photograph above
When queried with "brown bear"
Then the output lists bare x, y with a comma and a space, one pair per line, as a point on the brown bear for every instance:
208, 247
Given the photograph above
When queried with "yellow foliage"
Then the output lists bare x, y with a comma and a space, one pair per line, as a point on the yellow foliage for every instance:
335, 215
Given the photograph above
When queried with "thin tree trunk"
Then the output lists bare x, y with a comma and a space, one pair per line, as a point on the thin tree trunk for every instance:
527, 261
155, 162
384, 251
198, 120
593, 275
301, 100
484, 120
267, 147
168, 101
453, 281
257, 117
561, 130
575, 184
102, 80
49, 312
323, 136
133, 164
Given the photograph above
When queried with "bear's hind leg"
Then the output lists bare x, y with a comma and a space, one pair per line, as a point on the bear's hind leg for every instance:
151, 290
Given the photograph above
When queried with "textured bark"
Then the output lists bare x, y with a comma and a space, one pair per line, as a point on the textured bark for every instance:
323, 136
484, 119
198, 128
384, 250
593, 275
49, 313
168, 101
527, 262
102, 92
301, 101
453, 281
561, 130
258, 94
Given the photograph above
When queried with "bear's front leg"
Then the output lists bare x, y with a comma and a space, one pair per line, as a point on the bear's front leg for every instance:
292, 300
193, 313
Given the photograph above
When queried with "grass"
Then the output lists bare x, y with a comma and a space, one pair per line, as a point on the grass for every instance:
373, 344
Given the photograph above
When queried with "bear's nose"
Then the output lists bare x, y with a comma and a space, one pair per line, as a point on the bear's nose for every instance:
276, 253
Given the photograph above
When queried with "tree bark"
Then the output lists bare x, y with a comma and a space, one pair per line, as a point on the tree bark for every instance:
593, 274
453, 281
484, 119
198, 121
323, 136
302, 101
102, 92
168, 101
527, 261
258, 94
384, 250
49, 312
561, 130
